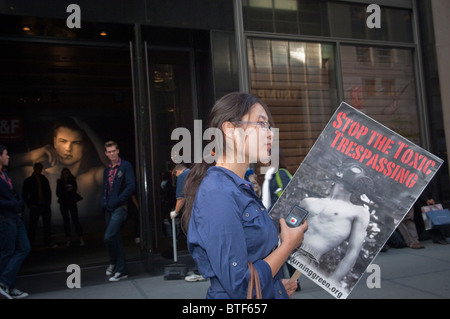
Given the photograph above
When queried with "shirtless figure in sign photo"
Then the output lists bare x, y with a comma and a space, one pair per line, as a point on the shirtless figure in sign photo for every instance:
334, 220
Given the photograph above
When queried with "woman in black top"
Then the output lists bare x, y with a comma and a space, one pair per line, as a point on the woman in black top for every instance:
66, 190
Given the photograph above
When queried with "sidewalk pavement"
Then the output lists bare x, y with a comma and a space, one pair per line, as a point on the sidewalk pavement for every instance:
405, 274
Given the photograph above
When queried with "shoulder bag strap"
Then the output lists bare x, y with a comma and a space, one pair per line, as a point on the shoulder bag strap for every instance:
253, 283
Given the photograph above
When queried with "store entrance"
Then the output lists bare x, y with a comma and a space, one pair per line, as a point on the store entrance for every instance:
92, 86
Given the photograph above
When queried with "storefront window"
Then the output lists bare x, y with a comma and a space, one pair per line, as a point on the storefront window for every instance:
66, 101
327, 19
380, 82
286, 16
297, 81
350, 21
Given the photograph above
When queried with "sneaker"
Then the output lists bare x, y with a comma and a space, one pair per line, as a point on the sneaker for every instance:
5, 292
110, 270
118, 276
17, 294
194, 277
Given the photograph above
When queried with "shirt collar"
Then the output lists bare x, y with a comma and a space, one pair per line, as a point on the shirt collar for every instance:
233, 176
119, 161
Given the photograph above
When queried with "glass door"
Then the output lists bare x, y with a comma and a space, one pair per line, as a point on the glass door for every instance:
171, 108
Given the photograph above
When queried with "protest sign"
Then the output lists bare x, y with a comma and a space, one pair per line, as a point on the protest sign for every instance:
357, 182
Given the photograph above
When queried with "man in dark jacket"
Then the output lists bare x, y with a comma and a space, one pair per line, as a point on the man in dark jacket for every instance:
118, 185
14, 244
38, 197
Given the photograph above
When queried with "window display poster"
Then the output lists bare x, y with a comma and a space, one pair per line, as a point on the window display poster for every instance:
72, 142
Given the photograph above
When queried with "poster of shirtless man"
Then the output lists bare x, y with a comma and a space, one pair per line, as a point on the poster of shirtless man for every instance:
357, 182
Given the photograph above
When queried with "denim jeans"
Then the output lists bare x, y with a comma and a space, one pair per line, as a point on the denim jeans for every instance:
113, 238
14, 248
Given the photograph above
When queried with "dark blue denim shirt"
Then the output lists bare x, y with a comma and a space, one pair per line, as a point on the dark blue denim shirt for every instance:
230, 226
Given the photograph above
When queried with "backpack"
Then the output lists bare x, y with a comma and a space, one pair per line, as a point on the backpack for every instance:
280, 188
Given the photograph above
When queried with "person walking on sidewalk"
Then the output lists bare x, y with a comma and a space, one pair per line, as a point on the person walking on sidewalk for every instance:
119, 185
181, 171
14, 244
227, 223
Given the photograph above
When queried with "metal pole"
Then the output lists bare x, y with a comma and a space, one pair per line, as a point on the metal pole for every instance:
420, 86
240, 46
174, 241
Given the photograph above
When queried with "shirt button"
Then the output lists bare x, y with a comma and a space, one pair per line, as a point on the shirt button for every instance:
234, 263
247, 215
279, 291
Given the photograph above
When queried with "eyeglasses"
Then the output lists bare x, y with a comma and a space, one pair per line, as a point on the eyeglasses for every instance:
264, 125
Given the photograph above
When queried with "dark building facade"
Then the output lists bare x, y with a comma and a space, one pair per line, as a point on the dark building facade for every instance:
133, 71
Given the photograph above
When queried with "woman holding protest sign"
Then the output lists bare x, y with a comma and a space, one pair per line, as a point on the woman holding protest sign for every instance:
227, 223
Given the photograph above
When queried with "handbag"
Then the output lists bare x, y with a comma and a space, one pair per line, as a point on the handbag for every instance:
253, 283
438, 218
425, 209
